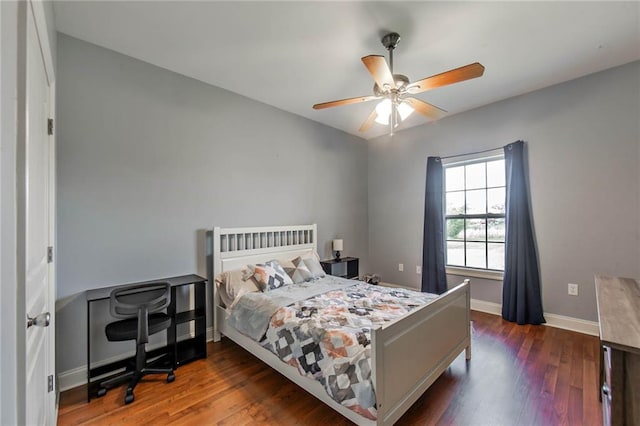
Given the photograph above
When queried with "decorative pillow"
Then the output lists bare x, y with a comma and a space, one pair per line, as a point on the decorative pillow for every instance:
298, 271
286, 264
313, 264
271, 275
248, 271
231, 286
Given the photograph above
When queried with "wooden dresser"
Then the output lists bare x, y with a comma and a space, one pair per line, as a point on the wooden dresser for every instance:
619, 321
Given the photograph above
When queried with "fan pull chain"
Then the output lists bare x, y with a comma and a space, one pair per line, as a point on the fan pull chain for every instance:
392, 113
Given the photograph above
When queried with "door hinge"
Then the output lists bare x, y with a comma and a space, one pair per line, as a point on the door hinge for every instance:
50, 126
49, 254
50, 383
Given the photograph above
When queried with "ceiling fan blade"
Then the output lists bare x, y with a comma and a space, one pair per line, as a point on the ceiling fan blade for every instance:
369, 121
377, 66
347, 101
448, 77
425, 108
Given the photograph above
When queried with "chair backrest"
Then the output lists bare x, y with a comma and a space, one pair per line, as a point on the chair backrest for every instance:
128, 300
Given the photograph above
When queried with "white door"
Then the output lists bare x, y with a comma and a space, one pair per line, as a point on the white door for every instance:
39, 364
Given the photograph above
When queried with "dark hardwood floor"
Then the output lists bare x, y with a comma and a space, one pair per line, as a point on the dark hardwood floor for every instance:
518, 375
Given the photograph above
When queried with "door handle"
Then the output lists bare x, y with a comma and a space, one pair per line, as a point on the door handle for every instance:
41, 320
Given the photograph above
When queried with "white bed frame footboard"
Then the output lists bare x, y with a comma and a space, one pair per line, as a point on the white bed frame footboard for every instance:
408, 354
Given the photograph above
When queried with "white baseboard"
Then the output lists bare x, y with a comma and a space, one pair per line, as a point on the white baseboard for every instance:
553, 320
573, 324
78, 376
72, 378
487, 307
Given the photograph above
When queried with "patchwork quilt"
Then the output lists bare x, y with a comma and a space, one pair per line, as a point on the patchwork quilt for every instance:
327, 338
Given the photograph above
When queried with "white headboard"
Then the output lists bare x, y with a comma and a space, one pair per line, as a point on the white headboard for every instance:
234, 247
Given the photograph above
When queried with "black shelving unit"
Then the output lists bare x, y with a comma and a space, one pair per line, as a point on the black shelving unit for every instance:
195, 346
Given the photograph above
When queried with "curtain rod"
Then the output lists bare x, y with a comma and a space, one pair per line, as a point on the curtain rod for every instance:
474, 153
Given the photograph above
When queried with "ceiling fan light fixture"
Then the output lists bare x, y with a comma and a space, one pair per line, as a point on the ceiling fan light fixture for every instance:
405, 110
385, 108
383, 111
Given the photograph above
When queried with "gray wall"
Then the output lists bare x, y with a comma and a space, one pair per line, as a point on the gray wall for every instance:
148, 160
584, 158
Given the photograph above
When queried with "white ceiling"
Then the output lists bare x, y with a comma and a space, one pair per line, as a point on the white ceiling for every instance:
294, 54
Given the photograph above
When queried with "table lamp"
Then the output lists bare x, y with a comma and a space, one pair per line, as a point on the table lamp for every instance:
337, 247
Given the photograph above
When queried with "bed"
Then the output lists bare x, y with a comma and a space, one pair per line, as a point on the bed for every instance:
406, 355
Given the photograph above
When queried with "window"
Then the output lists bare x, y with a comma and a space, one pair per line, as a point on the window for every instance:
475, 213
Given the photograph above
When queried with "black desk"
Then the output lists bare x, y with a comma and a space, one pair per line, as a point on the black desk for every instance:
182, 351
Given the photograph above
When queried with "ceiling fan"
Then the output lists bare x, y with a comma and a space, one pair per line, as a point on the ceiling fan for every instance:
395, 89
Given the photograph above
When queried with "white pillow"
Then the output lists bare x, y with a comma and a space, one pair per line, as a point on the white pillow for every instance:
313, 264
231, 286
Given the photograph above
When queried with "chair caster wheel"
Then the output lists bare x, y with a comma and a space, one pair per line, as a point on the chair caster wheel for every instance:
171, 377
128, 399
102, 392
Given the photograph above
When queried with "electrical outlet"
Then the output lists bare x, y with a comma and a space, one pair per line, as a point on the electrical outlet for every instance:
572, 289
418, 269
400, 267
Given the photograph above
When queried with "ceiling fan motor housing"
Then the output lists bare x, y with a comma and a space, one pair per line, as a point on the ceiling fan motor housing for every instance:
402, 81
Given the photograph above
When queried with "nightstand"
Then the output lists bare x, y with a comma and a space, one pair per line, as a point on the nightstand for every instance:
345, 267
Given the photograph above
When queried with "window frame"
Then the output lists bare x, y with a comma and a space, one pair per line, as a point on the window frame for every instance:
463, 270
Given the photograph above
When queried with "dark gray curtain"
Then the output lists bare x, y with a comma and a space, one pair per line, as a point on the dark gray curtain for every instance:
521, 300
434, 279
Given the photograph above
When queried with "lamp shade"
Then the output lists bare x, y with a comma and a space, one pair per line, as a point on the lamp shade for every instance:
383, 109
337, 245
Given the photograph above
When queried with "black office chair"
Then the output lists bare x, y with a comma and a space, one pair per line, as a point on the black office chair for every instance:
138, 305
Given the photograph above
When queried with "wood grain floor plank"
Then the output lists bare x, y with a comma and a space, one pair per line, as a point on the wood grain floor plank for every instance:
591, 385
519, 375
